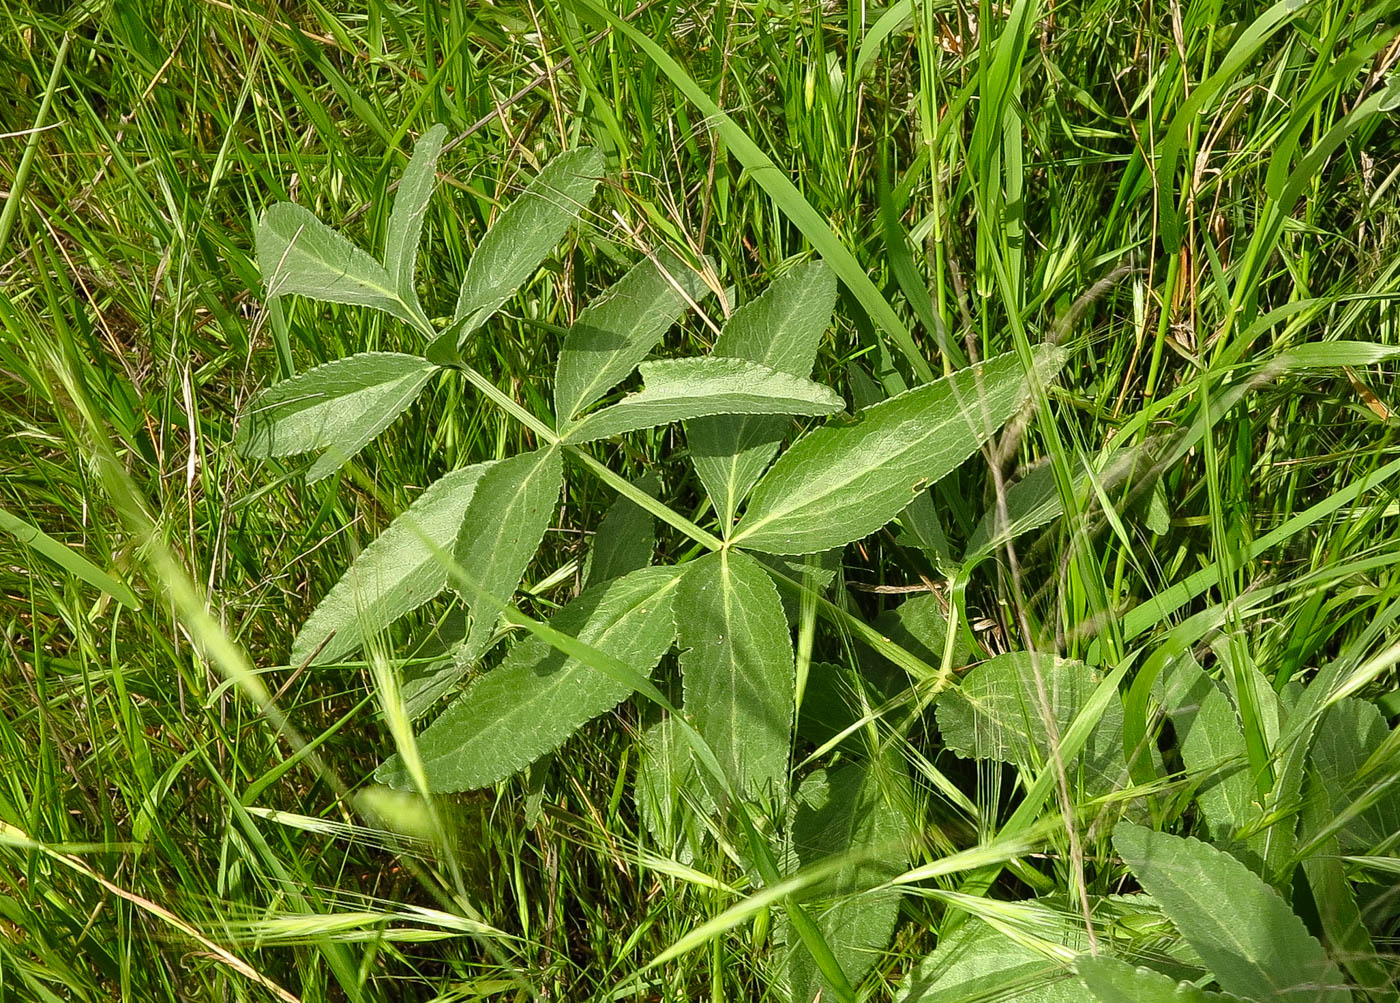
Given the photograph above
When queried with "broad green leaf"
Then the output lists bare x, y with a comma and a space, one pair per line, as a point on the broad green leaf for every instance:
829, 702
1365, 808
918, 625
737, 663
338, 407
617, 330
852, 812
298, 254
1111, 980
436, 663
847, 479
1034, 500
996, 714
538, 696
1031, 502
625, 539
66, 558
679, 389
524, 234
1343, 929
1211, 744
781, 329
394, 575
1213, 752
1252, 942
666, 777
503, 527
977, 963
406, 218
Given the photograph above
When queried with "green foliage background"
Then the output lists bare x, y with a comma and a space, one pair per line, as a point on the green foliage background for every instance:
1198, 199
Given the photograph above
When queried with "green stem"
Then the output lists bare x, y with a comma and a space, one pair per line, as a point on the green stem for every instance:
12, 203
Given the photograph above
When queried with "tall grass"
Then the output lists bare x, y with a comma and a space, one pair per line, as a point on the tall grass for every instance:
1183, 194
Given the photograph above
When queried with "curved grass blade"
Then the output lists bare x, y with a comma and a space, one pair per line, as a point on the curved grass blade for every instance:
67, 558
782, 191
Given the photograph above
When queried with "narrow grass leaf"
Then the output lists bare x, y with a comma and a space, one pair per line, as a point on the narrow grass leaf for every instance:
617, 330
679, 389
1239, 925
298, 254
846, 480
338, 407
392, 576
538, 696
502, 528
1249, 41
524, 234
781, 329
406, 218
738, 669
66, 558
785, 195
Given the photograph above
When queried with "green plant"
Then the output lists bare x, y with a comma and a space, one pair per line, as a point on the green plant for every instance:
838, 844
836, 484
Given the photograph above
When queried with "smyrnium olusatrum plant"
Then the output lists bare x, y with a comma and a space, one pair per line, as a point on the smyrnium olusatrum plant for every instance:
834, 836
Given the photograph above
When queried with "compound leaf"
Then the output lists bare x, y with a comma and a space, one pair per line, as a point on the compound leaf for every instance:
393, 576
338, 407
678, 389
846, 480
538, 696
